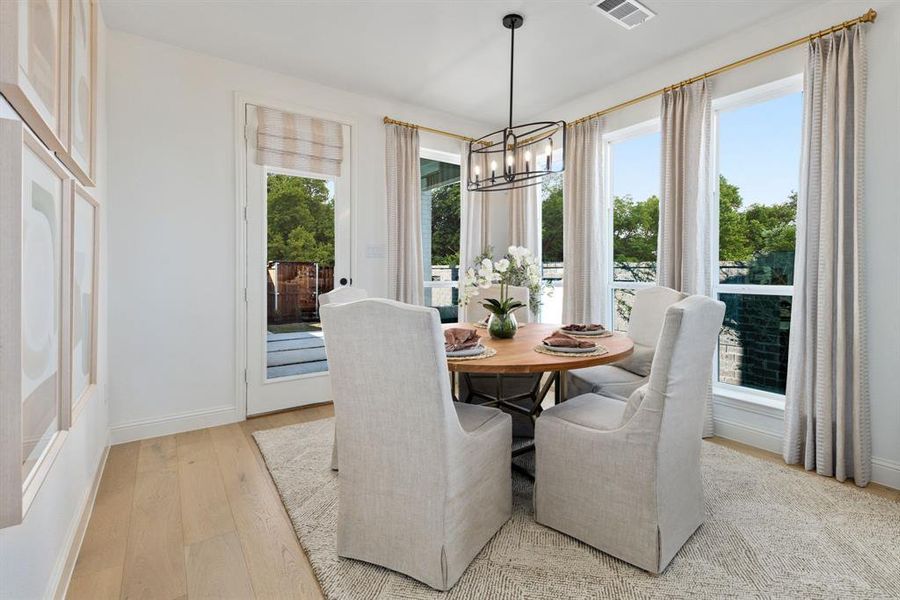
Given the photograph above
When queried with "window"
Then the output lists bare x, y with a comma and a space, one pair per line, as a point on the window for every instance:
440, 231
552, 246
300, 252
758, 135
632, 201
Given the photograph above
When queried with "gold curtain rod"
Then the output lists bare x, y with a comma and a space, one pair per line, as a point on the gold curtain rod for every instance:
869, 17
464, 138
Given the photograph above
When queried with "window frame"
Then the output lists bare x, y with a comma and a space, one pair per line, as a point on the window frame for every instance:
453, 159
748, 97
637, 130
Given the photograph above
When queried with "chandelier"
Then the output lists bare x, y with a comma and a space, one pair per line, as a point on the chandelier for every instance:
518, 155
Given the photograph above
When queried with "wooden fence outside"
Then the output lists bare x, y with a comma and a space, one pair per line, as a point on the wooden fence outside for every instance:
294, 288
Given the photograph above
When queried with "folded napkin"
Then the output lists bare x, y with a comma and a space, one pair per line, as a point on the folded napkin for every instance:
584, 327
457, 338
560, 340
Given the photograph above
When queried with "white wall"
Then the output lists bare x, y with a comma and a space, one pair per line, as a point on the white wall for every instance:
762, 425
172, 226
33, 554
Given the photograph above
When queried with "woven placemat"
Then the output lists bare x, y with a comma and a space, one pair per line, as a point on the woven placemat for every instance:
488, 352
542, 349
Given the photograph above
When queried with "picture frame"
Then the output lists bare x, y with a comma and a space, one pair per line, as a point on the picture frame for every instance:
35, 245
80, 155
34, 59
85, 276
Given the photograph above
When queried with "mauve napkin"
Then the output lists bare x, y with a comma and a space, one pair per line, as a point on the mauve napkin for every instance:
584, 327
560, 340
457, 339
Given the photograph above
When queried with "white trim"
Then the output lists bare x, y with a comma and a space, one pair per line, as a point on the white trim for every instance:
749, 395
65, 566
746, 434
439, 155
761, 93
886, 472
188, 421
743, 418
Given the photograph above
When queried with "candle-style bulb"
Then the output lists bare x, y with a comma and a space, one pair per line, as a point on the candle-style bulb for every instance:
477, 173
509, 160
527, 161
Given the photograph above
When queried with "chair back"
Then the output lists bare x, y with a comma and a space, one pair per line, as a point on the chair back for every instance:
682, 368
475, 312
342, 295
649, 312
391, 392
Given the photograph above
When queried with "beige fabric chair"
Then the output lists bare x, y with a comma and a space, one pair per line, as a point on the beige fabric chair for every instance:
620, 379
625, 477
424, 483
341, 295
488, 387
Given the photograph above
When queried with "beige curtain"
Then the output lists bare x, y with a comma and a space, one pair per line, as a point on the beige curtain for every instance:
475, 214
292, 141
404, 214
685, 208
525, 217
827, 422
585, 295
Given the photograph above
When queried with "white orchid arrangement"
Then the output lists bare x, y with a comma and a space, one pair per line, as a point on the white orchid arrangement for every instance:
518, 268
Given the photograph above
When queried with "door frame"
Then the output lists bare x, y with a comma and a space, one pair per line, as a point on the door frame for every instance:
241, 99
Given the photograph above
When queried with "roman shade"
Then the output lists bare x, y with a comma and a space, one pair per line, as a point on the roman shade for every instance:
299, 142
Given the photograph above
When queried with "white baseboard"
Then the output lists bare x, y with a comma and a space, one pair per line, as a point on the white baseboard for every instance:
745, 434
64, 570
187, 421
762, 427
886, 472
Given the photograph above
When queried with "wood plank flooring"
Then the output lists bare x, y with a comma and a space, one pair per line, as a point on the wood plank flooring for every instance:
196, 515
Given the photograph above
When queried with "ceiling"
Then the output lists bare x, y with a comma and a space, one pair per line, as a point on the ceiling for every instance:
449, 55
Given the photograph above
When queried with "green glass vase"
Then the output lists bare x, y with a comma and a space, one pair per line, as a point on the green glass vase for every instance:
502, 327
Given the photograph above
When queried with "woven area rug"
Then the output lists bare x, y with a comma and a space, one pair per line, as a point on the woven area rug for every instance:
770, 532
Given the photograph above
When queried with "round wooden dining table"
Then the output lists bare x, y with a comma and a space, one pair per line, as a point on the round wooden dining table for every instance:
517, 355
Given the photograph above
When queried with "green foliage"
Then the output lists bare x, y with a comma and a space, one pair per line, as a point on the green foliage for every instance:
445, 225
300, 220
756, 232
636, 229
552, 218
502, 307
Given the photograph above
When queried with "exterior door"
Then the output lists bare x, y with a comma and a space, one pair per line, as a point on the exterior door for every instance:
298, 247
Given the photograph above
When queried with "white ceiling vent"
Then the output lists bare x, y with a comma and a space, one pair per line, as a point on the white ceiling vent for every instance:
627, 13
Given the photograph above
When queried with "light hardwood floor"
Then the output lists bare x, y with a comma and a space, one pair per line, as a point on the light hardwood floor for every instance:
196, 515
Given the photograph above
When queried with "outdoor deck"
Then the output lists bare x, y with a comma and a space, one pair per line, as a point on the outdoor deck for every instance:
296, 353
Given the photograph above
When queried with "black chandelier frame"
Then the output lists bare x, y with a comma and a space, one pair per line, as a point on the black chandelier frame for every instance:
505, 145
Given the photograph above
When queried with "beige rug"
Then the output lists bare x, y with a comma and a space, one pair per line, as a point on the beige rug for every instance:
771, 532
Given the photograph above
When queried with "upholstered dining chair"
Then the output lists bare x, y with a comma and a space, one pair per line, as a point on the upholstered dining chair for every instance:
424, 482
620, 379
488, 387
340, 295
625, 477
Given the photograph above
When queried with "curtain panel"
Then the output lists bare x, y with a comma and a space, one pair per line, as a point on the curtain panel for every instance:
293, 141
475, 214
585, 291
525, 217
827, 421
686, 202
404, 214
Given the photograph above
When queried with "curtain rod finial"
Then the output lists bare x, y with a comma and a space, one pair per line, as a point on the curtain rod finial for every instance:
870, 16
